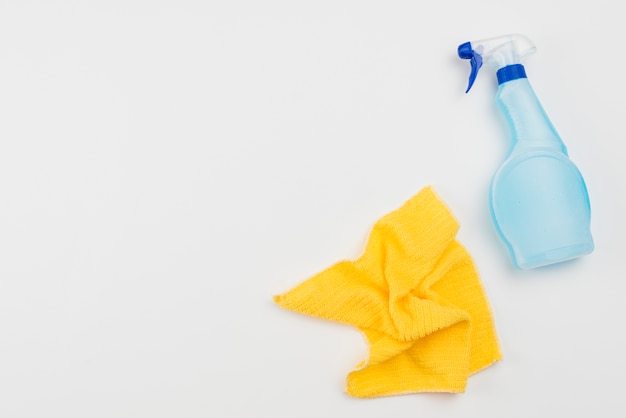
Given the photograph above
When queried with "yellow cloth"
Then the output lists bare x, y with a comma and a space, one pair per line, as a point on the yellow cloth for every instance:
416, 296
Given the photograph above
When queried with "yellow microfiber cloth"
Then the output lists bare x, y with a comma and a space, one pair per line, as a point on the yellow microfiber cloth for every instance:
416, 296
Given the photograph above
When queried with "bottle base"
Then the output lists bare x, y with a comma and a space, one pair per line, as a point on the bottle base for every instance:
554, 256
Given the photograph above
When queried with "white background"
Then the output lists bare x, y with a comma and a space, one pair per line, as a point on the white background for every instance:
168, 166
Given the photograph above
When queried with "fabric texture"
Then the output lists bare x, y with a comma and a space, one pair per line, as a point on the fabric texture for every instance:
416, 296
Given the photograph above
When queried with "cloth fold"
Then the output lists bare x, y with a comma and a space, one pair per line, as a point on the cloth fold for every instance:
416, 296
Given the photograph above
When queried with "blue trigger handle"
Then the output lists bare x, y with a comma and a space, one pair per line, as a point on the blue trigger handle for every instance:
476, 61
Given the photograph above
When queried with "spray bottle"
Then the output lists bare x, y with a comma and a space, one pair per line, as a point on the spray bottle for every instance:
538, 198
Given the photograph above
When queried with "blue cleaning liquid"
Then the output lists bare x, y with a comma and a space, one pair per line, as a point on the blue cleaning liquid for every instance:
539, 201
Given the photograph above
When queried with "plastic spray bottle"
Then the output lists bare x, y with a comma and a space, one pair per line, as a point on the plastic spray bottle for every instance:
538, 198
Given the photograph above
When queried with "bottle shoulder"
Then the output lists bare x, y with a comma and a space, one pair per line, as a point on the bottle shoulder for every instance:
539, 162
518, 156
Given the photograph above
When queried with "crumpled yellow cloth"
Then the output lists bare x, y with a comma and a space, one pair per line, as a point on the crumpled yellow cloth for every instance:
416, 296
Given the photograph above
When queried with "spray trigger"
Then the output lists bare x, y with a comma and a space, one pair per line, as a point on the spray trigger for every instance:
476, 61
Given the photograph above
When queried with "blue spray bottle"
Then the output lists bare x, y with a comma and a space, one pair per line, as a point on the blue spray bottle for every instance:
538, 198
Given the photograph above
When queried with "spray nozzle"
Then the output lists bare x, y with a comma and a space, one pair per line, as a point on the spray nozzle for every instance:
498, 52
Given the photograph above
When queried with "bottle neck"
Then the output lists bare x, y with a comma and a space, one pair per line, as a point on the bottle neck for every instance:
530, 126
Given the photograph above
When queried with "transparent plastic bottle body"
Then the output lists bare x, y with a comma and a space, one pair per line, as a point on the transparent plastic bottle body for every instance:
539, 201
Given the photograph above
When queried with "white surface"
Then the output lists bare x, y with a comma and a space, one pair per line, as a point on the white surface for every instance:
167, 166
